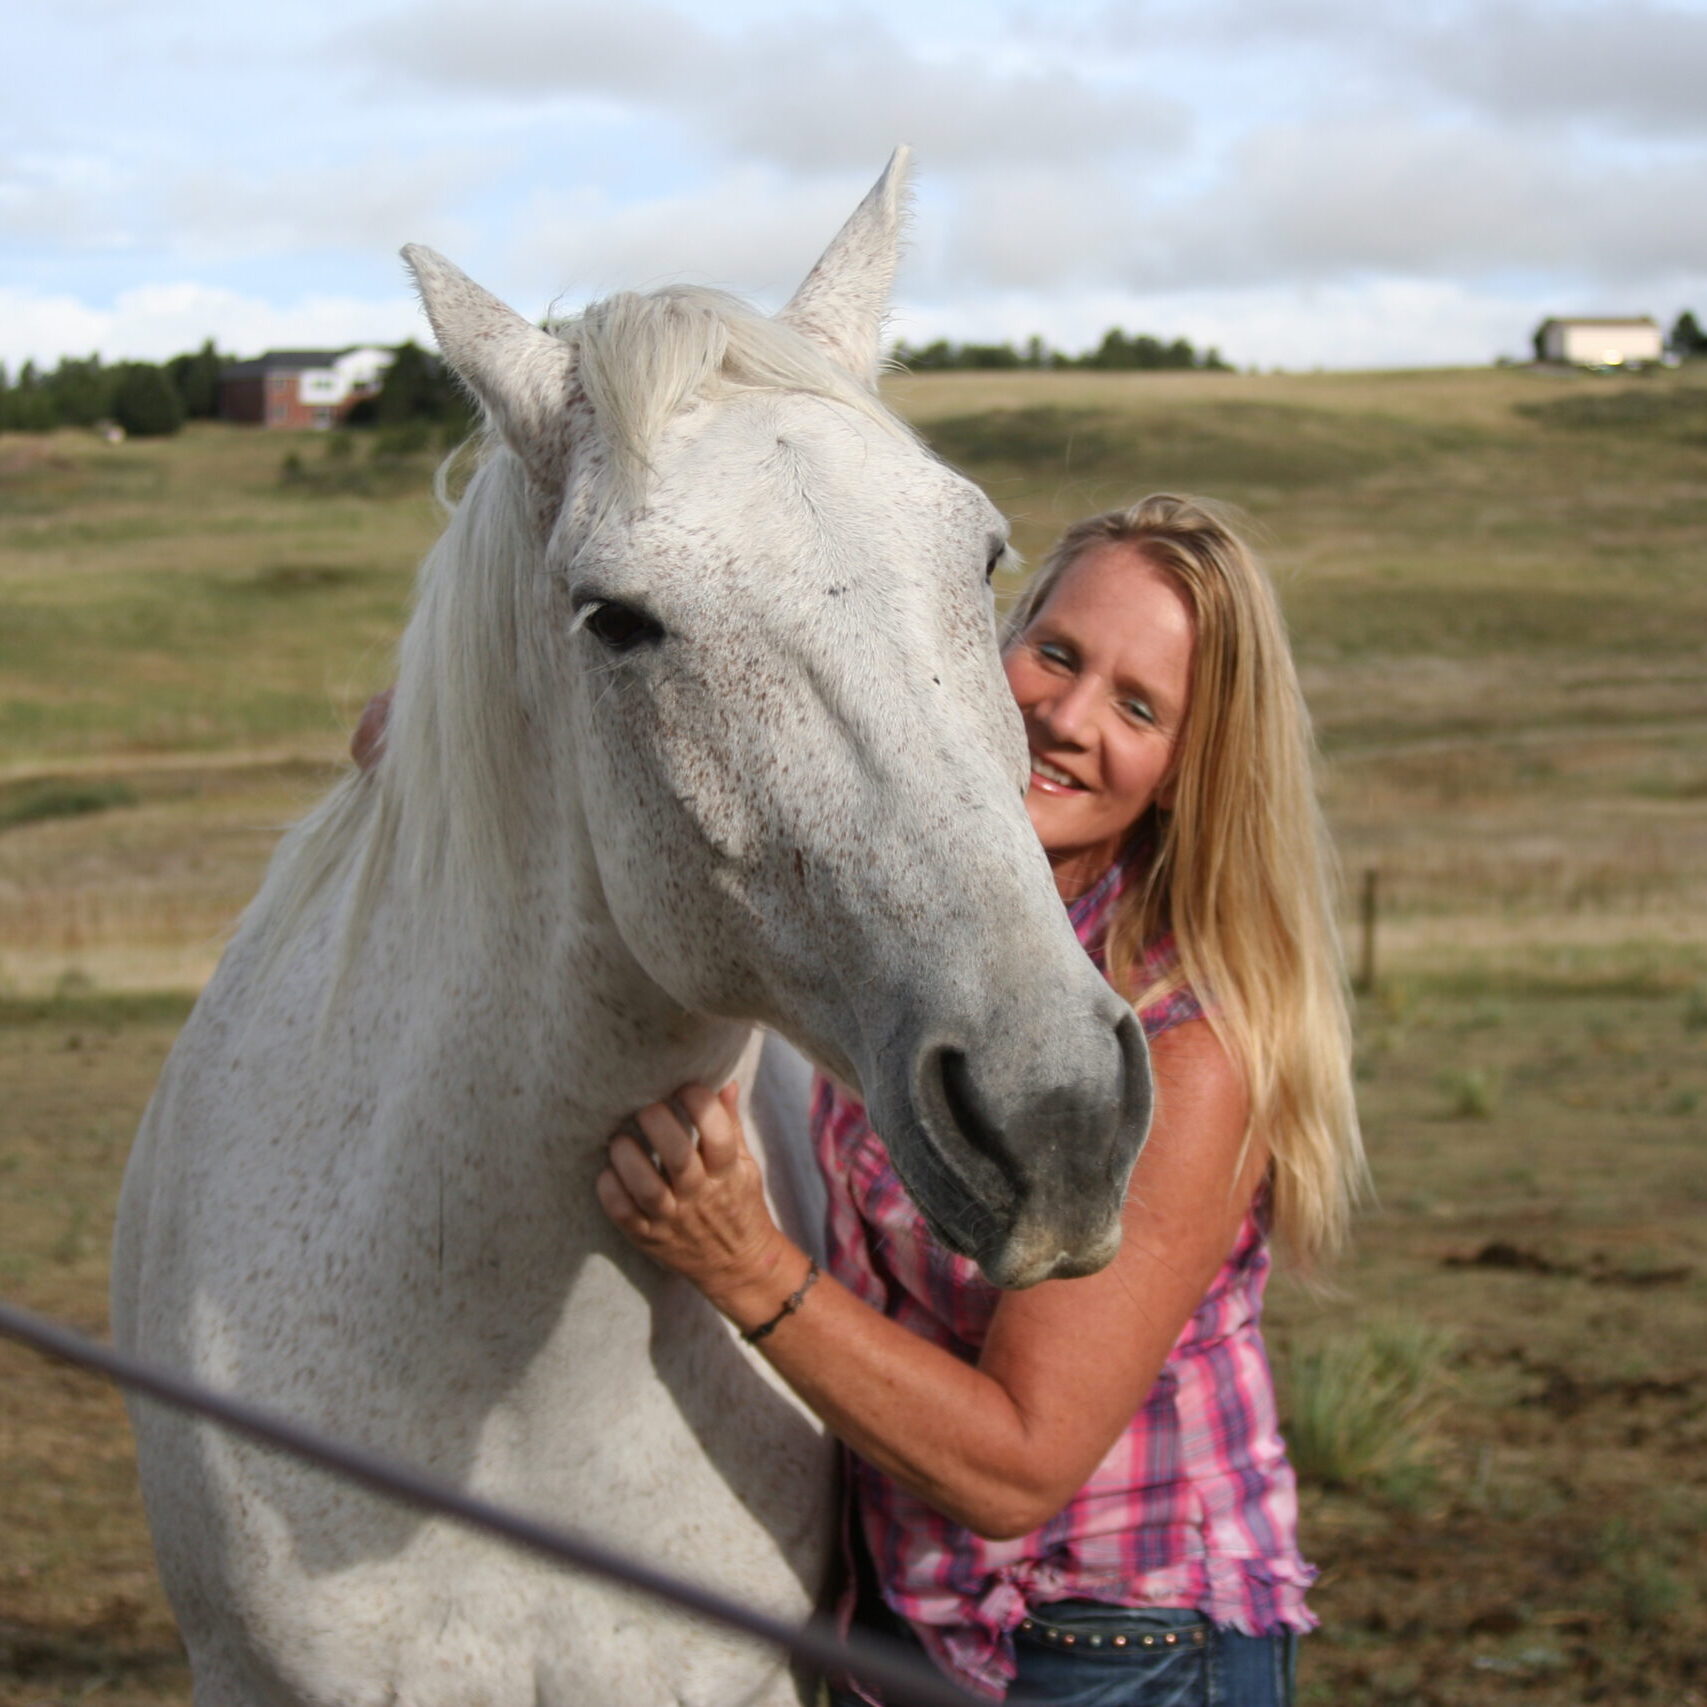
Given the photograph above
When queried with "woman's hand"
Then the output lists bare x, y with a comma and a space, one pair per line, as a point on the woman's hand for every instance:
700, 1208
368, 742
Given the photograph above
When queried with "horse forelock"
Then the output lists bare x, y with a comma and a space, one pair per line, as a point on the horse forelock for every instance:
643, 358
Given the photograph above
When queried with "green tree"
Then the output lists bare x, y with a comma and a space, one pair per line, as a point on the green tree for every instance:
928, 358
196, 380
1115, 351
146, 403
27, 407
417, 387
81, 391
1687, 339
988, 356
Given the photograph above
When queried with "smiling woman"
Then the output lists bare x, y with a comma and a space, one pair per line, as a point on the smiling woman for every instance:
1079, 1490
1102, 677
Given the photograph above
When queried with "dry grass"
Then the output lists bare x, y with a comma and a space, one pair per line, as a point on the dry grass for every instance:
1499, 611
81, 1612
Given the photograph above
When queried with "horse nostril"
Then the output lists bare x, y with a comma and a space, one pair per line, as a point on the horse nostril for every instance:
965, 1106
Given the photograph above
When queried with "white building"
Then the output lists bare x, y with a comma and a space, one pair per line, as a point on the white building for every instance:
353, 374
301, 388
1628, 342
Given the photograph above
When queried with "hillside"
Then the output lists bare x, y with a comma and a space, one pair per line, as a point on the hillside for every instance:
1497, 586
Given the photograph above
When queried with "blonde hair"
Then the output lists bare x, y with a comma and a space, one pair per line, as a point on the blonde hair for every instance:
1241, 869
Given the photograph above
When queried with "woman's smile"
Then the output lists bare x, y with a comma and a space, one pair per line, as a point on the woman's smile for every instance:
1051, 778
1101, 674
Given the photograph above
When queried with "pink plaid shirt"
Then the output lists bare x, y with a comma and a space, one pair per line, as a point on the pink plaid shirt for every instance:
1195, 1504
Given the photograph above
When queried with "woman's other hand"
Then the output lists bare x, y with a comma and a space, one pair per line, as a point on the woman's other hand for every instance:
368, 742
700, 1208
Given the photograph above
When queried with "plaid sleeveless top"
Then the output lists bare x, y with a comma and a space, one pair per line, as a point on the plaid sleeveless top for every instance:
1195, 1504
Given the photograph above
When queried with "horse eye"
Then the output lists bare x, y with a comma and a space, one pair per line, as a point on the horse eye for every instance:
621, 627
997, 552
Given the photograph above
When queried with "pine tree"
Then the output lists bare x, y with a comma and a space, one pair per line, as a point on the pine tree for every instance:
415, 388
28, 407
146, 403
196, 380
1687, 339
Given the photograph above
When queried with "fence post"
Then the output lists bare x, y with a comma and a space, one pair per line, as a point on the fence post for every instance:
1369, 906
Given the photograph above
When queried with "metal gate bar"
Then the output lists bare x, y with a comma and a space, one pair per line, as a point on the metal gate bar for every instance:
880, 1664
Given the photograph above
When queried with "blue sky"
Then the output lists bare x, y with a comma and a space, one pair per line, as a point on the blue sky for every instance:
1298, 182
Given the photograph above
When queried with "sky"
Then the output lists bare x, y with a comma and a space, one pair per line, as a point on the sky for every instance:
1298, 183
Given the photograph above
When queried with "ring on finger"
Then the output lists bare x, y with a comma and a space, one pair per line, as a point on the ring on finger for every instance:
685, 1120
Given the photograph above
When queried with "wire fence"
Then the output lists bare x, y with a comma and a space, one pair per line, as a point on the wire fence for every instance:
882, 1666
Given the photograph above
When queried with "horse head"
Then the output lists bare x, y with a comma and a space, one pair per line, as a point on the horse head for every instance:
766, 661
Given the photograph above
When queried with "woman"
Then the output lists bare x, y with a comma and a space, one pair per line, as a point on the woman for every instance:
1079, 1491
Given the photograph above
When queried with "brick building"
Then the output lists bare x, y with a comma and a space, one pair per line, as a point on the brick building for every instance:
301, 388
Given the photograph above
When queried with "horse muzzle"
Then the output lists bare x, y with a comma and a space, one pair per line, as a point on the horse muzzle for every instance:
1025, 1170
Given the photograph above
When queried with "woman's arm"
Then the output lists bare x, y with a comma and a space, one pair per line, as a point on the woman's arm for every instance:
1002, 1446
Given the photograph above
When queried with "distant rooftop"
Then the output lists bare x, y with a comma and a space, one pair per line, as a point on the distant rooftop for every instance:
286, 361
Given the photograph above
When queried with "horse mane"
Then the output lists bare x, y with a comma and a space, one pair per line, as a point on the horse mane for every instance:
445, 808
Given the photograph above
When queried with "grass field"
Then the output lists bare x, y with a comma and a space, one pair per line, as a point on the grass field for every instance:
1497, 583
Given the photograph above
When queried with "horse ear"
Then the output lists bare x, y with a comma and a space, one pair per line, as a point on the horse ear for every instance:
843, 302
518, 372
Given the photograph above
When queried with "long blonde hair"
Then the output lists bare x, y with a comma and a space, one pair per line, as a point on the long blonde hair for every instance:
1241, 869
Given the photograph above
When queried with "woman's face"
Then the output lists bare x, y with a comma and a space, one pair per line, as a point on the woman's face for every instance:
1101, 675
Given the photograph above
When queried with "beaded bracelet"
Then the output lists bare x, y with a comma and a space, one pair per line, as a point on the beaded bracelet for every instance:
792, 1303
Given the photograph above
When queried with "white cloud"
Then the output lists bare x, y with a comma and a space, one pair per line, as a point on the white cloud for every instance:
752, 230
1637, 65
1232, 170
814, 92
1632, 66
373, 205
1401, 195
155, 321
74, 199
1037, 229
531, 47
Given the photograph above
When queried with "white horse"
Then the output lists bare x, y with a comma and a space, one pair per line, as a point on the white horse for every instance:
699, 723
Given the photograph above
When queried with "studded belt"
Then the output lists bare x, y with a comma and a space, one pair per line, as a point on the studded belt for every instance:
1052, 1636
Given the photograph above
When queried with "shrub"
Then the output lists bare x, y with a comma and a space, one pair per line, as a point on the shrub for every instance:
1361, 1406
59, 797
1472, 1093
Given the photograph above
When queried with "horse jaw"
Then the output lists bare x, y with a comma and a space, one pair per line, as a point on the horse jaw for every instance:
520, 374
842, 304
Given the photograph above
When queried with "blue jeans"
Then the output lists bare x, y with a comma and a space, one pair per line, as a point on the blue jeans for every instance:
1121, 1656
1080, 1653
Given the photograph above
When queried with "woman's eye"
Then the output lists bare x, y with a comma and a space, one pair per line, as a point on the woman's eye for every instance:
621, 627
1139, 711
1052, 651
